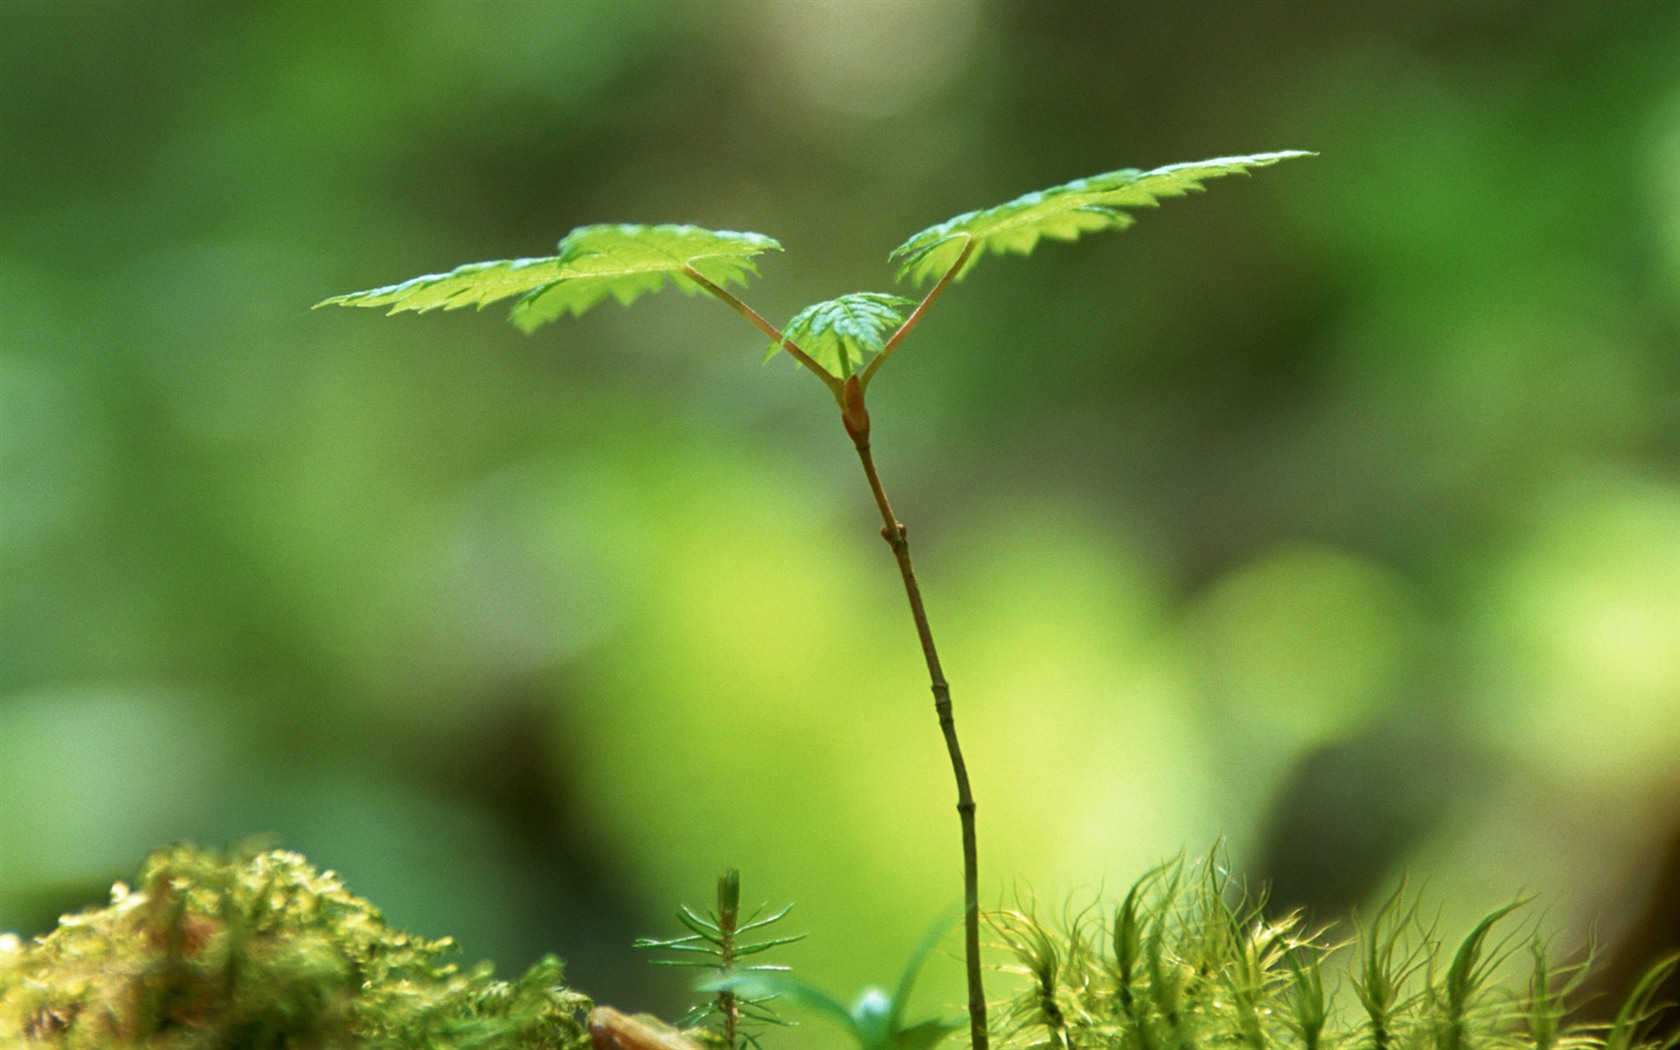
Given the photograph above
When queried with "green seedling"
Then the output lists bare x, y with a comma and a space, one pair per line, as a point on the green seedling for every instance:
715, 943
875, 1021
843, 342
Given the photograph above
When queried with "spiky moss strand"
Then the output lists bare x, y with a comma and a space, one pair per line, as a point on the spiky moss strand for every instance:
261, 950
1189, 963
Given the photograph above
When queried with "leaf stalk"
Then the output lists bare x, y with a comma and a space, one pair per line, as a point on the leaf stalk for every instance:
916, 314
834, 385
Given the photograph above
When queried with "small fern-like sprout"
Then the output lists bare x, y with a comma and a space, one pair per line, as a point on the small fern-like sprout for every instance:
715, 944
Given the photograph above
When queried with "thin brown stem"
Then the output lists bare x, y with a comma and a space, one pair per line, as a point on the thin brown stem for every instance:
849, 393
916, 314
894, 532
834, 385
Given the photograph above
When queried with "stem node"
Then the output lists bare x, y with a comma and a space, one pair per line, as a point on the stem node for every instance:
852, 411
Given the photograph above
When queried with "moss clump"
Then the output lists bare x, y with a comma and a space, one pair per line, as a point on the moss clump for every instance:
1188, 962
262, 951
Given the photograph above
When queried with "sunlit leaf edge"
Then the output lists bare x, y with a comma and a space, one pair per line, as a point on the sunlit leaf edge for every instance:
621, 260
1062, 212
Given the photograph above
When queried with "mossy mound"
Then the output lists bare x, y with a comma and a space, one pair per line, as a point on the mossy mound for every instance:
259, 952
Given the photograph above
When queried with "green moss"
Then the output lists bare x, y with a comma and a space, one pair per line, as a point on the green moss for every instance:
1189, 962
259, 951
262, 951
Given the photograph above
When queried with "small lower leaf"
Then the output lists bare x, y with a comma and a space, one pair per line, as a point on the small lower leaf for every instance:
840, 334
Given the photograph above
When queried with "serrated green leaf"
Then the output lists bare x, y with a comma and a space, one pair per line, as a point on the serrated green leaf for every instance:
1061, 213
593, 262
839, 334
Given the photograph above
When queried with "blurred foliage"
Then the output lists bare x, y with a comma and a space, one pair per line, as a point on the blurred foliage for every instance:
1337, 511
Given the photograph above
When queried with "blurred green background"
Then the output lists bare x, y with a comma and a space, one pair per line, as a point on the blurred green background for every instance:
1336, 511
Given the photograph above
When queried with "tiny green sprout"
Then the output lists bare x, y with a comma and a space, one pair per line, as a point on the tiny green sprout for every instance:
843, 342
715, 943
875, 1021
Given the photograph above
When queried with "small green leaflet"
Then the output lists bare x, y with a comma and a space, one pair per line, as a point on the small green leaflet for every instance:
839, 334
622, 261
1061, 213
